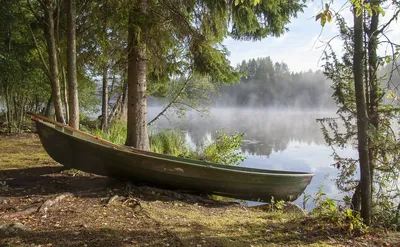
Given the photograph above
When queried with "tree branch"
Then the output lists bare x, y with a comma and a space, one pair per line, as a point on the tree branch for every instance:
44, 64
172, 101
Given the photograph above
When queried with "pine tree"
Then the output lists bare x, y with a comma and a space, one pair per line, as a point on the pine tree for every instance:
175, 37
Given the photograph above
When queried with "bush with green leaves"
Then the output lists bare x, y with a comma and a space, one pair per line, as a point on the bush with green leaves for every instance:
225, 149
341, 215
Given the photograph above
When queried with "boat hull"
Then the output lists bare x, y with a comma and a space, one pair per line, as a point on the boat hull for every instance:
74, 150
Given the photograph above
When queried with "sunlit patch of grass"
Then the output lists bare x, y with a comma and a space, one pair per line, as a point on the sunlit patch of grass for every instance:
19, 153
232, 226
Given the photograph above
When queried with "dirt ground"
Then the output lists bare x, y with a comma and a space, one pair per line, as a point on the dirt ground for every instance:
42, 204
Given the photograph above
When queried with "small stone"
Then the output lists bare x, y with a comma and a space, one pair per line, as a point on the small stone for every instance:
293, 207
13, 228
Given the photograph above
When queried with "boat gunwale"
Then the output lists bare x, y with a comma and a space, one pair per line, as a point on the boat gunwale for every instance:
132, 151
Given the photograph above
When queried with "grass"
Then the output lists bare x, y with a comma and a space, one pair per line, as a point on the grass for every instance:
223, 150
171, 142
116, 134
22, 152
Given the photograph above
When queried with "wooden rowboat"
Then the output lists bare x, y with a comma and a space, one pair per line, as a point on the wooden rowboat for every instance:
76, 149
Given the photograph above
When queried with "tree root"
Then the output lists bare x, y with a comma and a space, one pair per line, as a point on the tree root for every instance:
111, 200
22, 213
51, 202
43, 208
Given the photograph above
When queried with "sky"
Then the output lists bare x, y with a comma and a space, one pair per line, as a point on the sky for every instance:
302, 46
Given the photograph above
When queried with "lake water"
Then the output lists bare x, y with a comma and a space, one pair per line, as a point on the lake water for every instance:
274, 139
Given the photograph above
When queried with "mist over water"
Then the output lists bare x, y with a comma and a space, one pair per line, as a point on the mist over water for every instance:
279, 139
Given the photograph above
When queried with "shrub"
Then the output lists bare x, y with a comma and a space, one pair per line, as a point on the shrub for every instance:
225, 149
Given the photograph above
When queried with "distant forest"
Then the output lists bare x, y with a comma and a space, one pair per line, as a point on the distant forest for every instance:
270, 84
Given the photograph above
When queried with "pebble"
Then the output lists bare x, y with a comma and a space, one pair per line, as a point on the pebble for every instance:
13, 228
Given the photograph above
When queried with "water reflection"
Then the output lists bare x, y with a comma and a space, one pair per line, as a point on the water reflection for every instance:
275, 139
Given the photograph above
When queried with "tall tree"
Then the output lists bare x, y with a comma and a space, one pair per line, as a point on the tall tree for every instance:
174, 37
48, 7
71, 65
359, 96
362, 118
137, 135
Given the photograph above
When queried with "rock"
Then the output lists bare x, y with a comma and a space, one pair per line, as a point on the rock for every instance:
290, 207
13, 228
3, 200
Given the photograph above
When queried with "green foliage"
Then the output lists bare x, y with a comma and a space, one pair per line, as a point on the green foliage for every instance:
171, 142
224, 149
383, 143
246, 16
23, 84
277, 206
342, 216
306, 198
325, 15
88, 100
116, 134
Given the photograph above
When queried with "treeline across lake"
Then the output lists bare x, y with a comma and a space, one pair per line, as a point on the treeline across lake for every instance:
265, 83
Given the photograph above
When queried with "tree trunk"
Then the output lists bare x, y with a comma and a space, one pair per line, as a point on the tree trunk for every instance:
8, 106
362, 120
373, 77
104, 101
137, 135
62, 67
51, 50
49, 105
17, 114
71, 65
120, 105
65, 92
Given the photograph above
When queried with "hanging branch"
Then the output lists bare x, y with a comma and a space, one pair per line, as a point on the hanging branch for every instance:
173, 101
45, 68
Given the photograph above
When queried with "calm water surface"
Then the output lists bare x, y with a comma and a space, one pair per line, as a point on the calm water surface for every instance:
274, 139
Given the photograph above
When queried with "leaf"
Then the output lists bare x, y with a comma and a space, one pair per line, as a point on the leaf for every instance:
318, 16
323, 20
358, 11
381, 10
237, 2
329, 16
391, 95
368, 8
326, 7
388, 59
